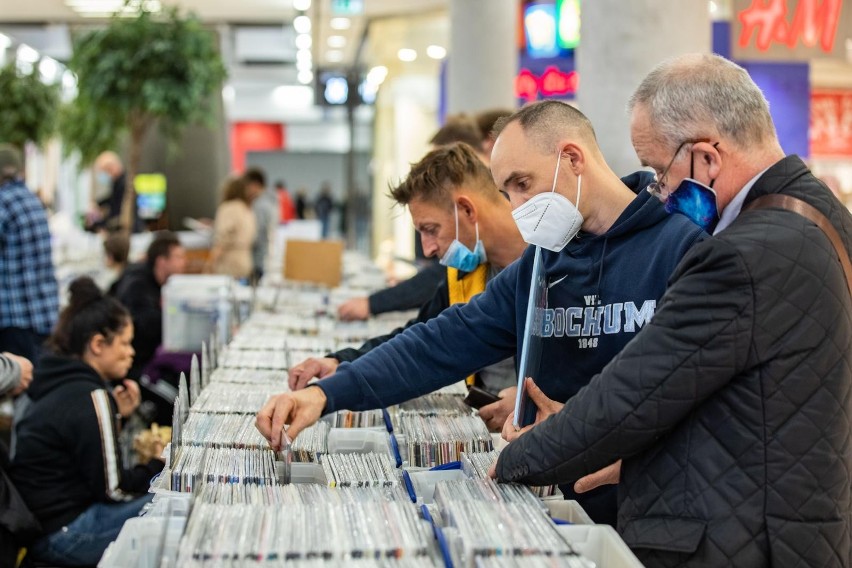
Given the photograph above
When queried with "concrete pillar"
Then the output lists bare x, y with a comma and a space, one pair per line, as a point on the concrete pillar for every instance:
483, 55
620, 42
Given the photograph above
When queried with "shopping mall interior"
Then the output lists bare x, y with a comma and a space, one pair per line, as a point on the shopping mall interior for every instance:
134, 119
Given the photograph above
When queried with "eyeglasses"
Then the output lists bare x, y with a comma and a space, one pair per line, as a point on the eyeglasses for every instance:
655, 187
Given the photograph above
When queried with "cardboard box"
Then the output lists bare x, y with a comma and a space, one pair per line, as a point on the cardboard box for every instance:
314, 261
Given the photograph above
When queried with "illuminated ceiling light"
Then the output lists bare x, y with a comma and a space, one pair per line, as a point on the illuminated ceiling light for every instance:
304, 65
302, 5
377, 75
303, 41
436, 52
334, 55
304, 55
69, 80
302, 24
49, 70
305, 77
336, 41
27, 54
406, 54
340, 23
336, 91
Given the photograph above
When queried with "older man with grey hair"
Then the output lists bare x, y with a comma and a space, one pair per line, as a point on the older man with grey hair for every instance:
732, 410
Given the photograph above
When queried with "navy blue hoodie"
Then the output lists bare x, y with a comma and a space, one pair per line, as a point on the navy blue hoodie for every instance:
602, 290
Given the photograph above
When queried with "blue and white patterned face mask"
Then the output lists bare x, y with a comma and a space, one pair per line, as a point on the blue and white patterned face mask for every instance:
695, 200
460, 257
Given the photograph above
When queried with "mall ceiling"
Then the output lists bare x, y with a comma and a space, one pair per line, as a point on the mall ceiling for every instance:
58, 17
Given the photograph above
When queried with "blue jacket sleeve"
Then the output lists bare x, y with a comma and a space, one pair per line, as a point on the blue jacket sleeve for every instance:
428, 356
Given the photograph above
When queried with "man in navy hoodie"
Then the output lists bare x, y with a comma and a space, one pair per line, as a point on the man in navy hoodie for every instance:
603, 285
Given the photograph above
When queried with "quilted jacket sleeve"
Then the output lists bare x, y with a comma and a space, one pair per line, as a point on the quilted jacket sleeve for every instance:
697, 341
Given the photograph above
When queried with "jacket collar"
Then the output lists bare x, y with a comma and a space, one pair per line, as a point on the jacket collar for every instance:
780, 175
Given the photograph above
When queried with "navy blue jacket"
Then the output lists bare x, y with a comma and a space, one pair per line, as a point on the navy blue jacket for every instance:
603, 289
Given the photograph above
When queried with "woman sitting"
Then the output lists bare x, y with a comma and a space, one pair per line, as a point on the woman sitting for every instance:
67, 465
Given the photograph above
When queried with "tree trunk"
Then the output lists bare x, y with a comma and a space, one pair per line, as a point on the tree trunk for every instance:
138, 128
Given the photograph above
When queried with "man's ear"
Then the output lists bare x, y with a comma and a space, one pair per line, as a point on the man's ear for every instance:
573, 156
708, 155
467, 208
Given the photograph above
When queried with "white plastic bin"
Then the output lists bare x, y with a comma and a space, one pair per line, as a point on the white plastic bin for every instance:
423, 482
569, 511
194, 305
360, 441
600, 544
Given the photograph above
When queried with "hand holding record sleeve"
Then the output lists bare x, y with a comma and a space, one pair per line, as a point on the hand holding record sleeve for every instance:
545, 407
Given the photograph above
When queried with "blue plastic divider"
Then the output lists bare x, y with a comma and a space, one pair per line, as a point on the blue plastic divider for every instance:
409, 486
388, 423
395, 448
449, 466
439, 536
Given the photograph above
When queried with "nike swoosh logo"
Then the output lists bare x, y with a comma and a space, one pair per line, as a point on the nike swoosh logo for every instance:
552, 284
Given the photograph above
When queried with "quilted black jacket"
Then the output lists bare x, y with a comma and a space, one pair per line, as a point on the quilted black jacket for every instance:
733, 408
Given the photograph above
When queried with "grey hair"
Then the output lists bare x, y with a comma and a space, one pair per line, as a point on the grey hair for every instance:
547, 121
688, 95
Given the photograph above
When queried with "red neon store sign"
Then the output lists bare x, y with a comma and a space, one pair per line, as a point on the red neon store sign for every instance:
551, 83
814, 23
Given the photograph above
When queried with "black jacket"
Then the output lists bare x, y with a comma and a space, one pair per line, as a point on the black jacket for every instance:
140, 293
410, 294
67, 455
436, 302
733, 409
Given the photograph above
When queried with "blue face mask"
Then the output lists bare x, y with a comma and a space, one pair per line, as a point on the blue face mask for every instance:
695, 200
462, 258
104, 179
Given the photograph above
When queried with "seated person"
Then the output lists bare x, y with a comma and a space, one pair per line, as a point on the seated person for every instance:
116, 252
140, 291
67, 464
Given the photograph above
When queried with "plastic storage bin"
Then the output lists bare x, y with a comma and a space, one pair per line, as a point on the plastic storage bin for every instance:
568, 511
600, 544
363, 440
194, 306
421, 484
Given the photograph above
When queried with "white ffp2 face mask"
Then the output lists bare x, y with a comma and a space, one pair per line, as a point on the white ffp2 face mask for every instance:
549, 220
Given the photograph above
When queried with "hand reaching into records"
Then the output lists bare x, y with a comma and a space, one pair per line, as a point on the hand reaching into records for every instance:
300, 375
296, 409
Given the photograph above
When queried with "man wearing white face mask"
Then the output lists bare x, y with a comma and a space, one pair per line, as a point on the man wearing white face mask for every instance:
462, 219
612, 245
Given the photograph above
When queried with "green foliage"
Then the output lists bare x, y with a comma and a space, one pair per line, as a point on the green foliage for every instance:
137, 71
28, 107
